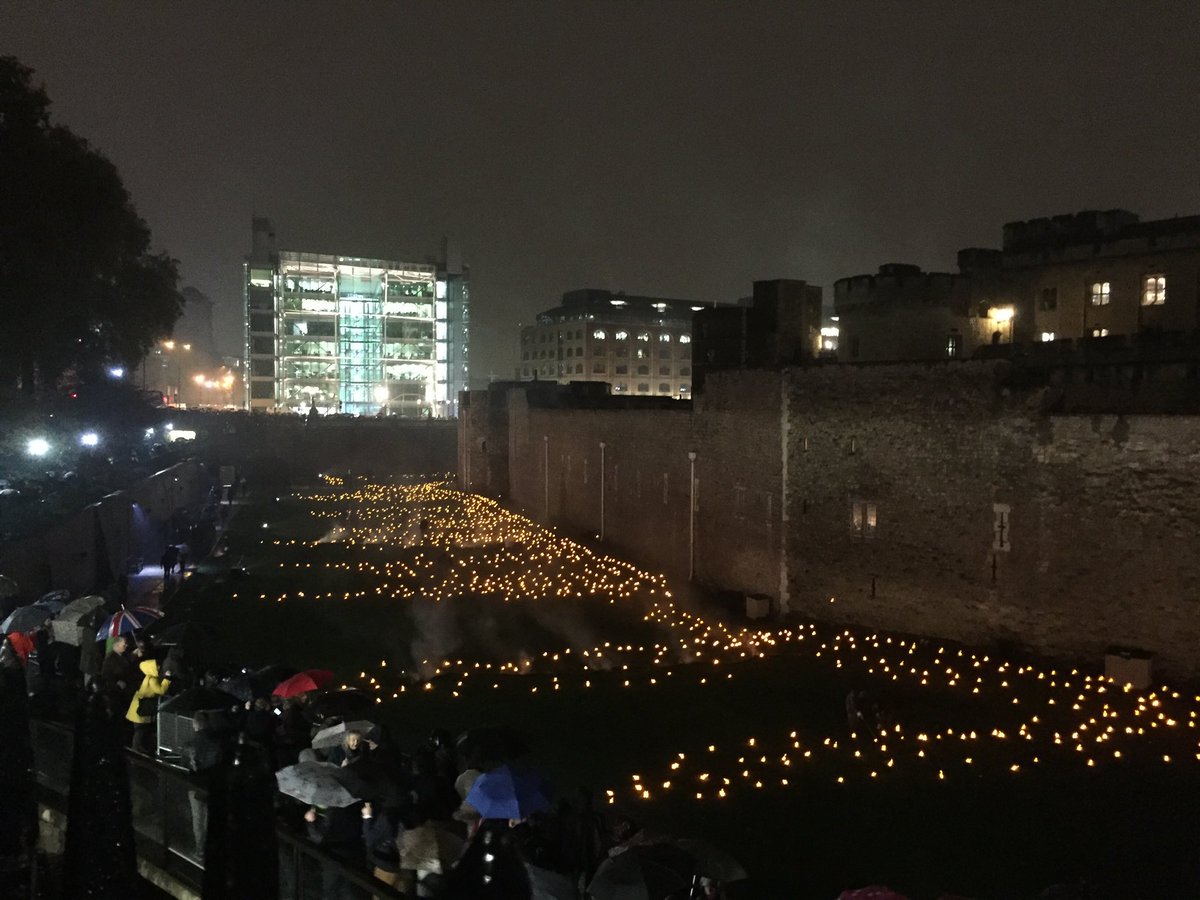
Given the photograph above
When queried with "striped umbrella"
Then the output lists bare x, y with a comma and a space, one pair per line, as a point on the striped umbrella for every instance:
127, 621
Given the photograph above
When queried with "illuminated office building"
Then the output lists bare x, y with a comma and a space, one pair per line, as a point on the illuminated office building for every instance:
351, 335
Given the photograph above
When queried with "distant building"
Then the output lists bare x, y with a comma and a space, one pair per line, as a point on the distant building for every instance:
779, 325
638, 345
353, 335
1070, 278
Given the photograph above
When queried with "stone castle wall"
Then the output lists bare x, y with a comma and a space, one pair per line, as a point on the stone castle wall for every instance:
995, 520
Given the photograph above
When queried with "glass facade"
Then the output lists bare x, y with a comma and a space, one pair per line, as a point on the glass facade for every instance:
354, 336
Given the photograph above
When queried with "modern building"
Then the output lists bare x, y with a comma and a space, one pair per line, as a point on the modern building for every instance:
779, 325
638, 345
352, 335
1069, 279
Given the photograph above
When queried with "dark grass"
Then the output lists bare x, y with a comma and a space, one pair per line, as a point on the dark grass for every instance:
1131, 830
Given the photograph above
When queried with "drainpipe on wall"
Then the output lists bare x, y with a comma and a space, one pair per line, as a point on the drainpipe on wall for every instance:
602, 446
692, 515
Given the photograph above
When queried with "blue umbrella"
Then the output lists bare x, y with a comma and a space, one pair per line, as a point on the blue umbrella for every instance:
27, 618
507, 793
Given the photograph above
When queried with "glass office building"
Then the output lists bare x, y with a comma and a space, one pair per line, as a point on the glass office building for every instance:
353, 336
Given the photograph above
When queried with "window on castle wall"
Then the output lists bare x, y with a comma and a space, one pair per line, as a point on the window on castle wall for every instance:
1154, 290
863, 518
953, 345
1099, 332
1101, 293
1047, 336
1048, 300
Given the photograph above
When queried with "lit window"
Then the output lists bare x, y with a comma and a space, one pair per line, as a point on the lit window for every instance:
599, 334
665, 338
953, 345
1099, 332
685, 389
1047, 336
685, 339
1154, 290
863, 518
1101, 293
644, 336
622, 335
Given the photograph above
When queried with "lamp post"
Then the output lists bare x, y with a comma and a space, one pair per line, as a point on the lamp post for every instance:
602, 446
691, 514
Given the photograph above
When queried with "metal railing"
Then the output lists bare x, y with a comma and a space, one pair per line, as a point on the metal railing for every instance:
170, 817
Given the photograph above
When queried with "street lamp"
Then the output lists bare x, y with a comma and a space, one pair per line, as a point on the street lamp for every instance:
89, 439
37, 447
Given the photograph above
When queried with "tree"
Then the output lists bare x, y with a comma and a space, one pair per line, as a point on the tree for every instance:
79, 285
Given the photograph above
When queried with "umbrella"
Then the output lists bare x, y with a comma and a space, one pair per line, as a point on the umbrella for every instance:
198, 698
713, 862
239, 686
506, 793
429, 849
490, 745
550, 885
22, 645
345, 704
369, 779
58, 595
314, 783
333, 735
27, 618
267, 678
644, 872
8, 587
68, 626
174, 635
308, 680
127, 621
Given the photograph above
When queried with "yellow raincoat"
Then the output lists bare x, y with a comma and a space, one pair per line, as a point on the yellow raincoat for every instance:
151, 686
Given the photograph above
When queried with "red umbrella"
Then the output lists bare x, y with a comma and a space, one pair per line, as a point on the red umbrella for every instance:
22, 645
308, 680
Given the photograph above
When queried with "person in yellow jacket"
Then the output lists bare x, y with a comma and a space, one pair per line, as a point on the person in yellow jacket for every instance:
144, 706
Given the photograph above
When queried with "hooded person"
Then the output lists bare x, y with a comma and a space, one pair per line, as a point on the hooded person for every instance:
143, 708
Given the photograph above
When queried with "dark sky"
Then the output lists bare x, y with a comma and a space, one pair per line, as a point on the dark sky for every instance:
680, 149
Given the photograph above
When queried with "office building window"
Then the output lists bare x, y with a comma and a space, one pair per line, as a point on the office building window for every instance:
1048, 299
1101, 293
599, 334
643, 370
643, 335
1154, 290
622, 335
578, 368
685, 339
664, 388
599, 367
621, 369
863, 518
664, 370
664, 338
685, 389
1047, 336
685, 370
642, 353
643, 388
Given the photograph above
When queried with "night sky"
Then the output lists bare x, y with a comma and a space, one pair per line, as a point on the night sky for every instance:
678, 149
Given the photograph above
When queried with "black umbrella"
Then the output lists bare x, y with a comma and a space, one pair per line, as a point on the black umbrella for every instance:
350, 703
198, 698
240, 686
268, 678
178, 633
644, 872
491, 745
370, 779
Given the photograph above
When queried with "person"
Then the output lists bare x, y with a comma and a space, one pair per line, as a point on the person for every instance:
381, 830
118, 673
491, 866
352, 748
169, 558
143, 708
259, 726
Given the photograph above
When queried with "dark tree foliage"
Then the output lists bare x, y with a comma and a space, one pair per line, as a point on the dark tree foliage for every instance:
79, 286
